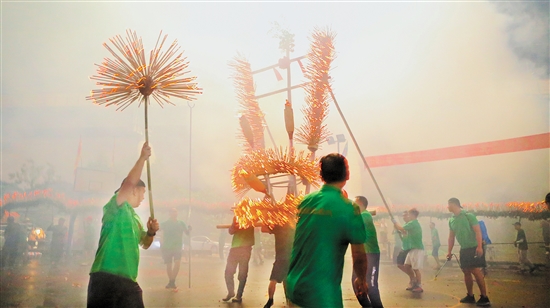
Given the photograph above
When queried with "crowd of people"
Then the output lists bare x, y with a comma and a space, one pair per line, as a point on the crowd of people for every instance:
318, 238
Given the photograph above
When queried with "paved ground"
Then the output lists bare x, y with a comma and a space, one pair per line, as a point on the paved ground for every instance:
39, 285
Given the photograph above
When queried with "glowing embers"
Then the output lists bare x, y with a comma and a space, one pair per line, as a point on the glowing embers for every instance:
128, 77
268, 162
268, 212
313, 131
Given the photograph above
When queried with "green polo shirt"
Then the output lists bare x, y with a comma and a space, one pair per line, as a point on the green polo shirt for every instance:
371, 245
414, 235
121, 232
461, 225
327, 223
243, 237
172, 234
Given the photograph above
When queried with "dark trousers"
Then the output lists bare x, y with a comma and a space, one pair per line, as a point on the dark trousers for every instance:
108, 290
373, 268
238, 256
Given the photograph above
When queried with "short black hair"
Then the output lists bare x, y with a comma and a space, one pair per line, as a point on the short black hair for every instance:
140, 183
333, 168
547, 199
414, 212
455, 201
363, 200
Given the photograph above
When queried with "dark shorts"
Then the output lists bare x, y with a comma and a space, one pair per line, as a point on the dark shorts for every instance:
402, 256
469, 260
108, 290
169, 255
435, 251
280, 270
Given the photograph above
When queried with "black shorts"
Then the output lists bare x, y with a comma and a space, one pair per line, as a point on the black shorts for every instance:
168, 255
435, 251
468, 259
107, 290
280, 270
402, 256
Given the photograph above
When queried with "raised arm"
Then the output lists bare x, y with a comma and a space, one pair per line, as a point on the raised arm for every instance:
134, 175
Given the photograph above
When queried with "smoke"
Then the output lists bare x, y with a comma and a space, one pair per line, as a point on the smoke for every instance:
528, 32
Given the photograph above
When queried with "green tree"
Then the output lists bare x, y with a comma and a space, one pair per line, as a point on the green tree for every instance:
32, 176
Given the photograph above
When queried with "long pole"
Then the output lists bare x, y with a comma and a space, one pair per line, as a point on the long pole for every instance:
359, 150
150, 189
191, 106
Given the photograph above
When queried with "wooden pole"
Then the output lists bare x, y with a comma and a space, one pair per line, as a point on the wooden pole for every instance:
359, 150
150, 189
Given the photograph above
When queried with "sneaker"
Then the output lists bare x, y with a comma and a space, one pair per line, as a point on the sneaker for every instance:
411, 286
417, 289
269, 303
469, 299
237, 300
483, 301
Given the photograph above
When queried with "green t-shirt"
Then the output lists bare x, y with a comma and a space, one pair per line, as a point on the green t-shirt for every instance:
118, 250
435, 238
413, 239
327, 223
461, 225
242, 237
371, 245
172, 234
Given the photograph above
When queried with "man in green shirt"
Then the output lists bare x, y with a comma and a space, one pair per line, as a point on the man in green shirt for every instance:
372, 251
436, 244
327, 223
412, 241
465, 227
239, 255
114, 271
172, 244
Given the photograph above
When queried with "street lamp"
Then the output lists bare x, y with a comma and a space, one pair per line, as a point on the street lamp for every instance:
339, 139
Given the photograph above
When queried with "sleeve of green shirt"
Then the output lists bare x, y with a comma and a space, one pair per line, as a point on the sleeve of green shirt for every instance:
356, 229
472, 220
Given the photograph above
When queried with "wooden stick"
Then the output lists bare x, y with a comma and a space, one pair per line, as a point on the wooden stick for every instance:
359, 150
150, 189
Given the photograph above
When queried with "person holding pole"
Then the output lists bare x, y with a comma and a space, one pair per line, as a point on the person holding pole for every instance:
465, 227
172, 244
412, 243
372, 251
114, 272
239, 255
327, 223
284, 237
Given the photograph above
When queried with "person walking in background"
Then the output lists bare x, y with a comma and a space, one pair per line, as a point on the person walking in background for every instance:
372, 251
465, 227
436, 244
327, 222
172, 245
239, 255
521, 244
13, 234
412, 242
284, 237
114, 272
57, 246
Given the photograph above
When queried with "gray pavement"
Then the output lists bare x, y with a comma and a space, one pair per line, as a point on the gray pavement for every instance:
38, 284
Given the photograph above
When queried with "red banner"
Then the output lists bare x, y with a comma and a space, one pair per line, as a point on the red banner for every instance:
526, 143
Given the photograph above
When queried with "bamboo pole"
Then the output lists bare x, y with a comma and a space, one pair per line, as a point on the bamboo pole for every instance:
359, 150
150, 189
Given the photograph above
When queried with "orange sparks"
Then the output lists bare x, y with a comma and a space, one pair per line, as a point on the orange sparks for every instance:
128, 77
